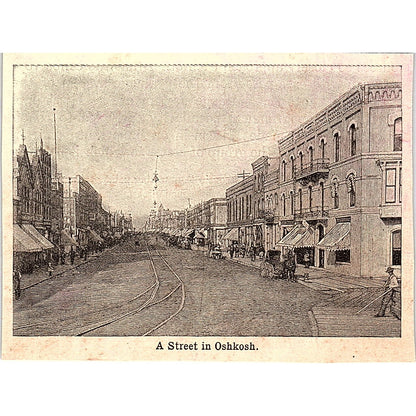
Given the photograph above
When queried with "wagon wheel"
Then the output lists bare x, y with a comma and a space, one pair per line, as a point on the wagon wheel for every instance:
266, 270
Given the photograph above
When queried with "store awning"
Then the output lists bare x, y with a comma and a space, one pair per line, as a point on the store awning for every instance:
188, 233
95, 236
231, 235
24, 243
338, 237
37, 236
198, 234
66, 239
299, 236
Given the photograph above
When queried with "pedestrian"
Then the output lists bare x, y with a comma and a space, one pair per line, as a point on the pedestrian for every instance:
50, 269
307, 260
63, 257
236, 250
252, 252
392, 296
231, 251
243, 250
72, 255
17, 277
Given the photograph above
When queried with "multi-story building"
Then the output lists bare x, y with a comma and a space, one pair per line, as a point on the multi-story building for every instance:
246, 206
340, 183
271, 198
82, 209
32, 204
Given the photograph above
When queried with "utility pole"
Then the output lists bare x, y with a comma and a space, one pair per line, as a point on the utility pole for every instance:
56, 155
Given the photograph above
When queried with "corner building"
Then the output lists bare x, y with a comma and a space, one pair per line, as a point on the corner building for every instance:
340, 188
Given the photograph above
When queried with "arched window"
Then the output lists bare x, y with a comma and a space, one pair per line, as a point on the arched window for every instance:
292, 203
310, 197
321, 185
300, 200
310, 154
397, 147
353, 139
396, 248
292, 166
275, 201
301, 160
351, 189
284, 171
334, 192
322, 149
284, 205
336, 147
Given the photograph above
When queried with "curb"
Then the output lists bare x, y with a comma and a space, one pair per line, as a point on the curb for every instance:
59, 273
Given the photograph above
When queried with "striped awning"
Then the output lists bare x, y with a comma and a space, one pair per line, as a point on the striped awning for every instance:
231, 235
24, 243
300, 236
338, 237
198, 234
37, 236
66, 239
95, 236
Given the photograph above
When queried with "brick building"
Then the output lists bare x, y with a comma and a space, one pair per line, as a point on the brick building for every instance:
340, 183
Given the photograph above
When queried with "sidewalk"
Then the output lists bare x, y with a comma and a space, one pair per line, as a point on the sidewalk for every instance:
321, 279
40, 275
343, 315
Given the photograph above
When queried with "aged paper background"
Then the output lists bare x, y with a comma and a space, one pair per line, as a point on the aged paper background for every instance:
270, 348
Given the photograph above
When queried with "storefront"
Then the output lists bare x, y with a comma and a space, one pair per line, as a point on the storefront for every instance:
301, 240
337, 243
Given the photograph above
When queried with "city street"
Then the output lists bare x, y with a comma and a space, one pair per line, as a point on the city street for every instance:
221, 298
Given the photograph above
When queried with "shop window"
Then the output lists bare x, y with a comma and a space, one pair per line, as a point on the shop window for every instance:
390, 185
342, 256
396, 248
397, 146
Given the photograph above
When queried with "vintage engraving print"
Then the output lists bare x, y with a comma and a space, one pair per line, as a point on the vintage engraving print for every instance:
208, 207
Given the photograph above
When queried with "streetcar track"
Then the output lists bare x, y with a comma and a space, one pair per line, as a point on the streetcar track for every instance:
148, 303
72, 317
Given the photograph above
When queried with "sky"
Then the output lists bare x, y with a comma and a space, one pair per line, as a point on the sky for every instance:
113, 121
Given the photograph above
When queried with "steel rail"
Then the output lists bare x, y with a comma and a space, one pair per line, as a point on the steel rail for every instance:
182, 286
134, 311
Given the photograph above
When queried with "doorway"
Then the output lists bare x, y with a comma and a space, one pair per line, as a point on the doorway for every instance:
321, 258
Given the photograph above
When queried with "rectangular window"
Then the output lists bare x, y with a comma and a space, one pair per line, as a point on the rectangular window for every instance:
397, 248
400, 185
390, 185
342, 256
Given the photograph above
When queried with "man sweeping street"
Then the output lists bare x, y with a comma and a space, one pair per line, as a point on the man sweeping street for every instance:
392, 295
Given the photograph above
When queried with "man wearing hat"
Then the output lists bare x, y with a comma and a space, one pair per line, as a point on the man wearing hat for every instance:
392, 296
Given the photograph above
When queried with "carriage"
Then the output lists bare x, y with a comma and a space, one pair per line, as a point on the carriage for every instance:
273, 268
216, 253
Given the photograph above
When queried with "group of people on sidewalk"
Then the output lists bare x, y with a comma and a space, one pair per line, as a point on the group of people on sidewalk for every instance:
240, 250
